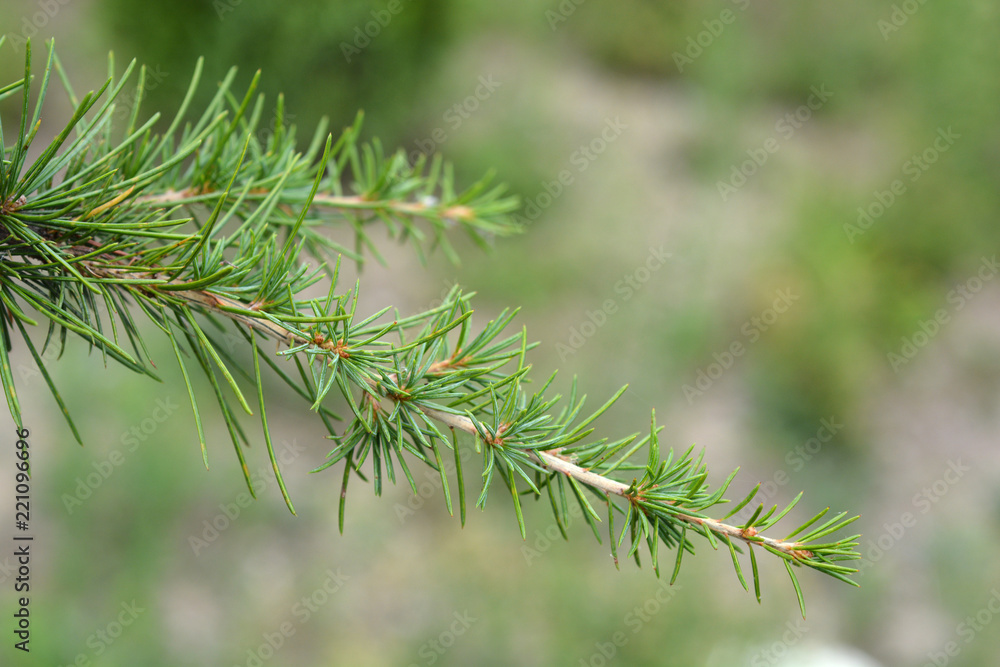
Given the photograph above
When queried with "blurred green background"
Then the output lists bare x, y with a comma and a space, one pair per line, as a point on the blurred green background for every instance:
838, 162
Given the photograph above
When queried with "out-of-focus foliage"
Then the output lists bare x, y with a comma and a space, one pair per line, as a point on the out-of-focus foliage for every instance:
328, 58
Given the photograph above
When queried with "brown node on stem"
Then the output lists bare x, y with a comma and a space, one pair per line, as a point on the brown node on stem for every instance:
373, 400
496, 440
10, 205
459, 213
340, 349
446, 364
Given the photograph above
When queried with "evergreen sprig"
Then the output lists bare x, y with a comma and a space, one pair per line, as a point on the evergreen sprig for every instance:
208, 223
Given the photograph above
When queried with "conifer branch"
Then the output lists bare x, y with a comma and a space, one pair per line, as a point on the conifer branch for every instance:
556, 462
206, 223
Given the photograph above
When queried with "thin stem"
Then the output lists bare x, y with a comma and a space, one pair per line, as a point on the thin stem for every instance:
356, 202
556, 462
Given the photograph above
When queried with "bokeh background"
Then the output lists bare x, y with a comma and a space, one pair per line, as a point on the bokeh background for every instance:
842, 158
